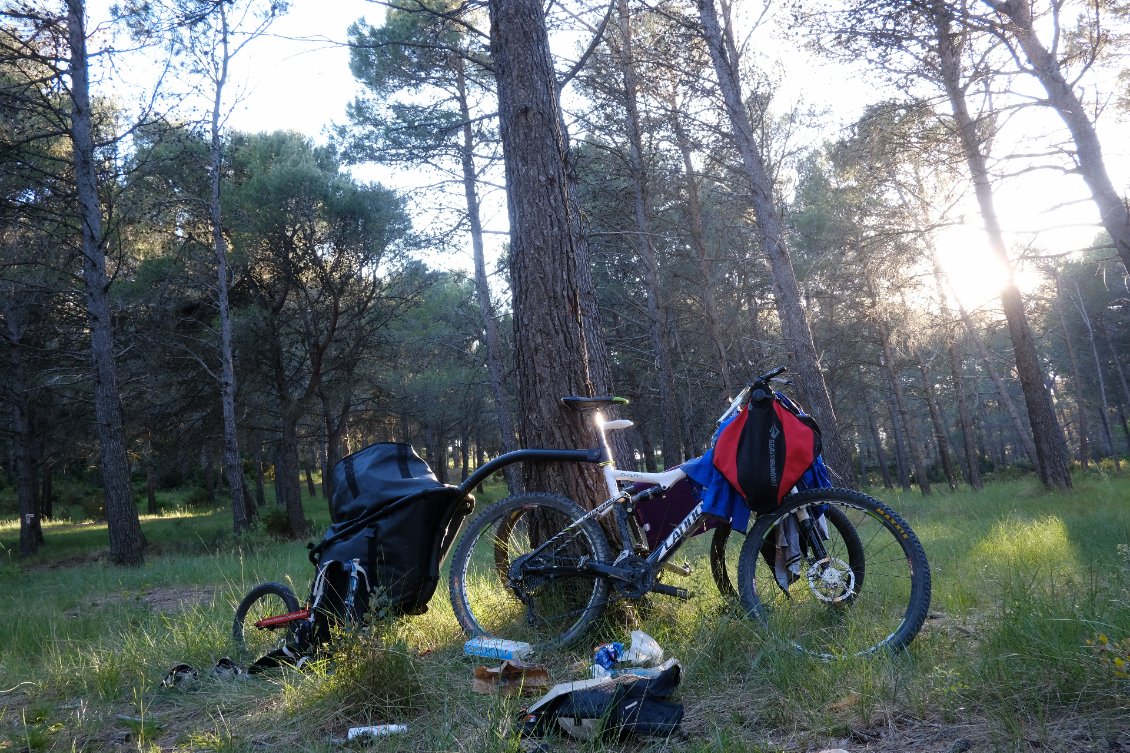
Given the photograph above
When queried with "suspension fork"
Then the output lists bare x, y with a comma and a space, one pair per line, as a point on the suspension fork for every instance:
811, 534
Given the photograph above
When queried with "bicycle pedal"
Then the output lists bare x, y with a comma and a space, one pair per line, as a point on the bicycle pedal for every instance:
683, 569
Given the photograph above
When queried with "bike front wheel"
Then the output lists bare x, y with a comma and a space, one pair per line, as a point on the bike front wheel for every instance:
726, 547
853, 582
265, 600
517, 572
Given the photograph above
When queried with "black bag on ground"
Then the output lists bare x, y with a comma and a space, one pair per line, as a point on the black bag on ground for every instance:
397, 521
617, 708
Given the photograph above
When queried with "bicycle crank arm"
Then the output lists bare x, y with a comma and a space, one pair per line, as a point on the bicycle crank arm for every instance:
678, 593
585, 567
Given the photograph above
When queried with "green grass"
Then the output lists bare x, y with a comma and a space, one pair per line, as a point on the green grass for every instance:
1031, 610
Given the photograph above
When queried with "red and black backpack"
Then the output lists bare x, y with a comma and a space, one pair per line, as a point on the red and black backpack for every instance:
766, 449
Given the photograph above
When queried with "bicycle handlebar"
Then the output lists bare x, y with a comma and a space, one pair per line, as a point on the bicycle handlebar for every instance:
761, 381
770, 374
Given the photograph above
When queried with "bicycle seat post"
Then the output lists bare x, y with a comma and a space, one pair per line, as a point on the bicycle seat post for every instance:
609, 464
599, 423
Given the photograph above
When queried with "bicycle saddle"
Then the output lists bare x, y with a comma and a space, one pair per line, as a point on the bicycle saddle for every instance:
592, 403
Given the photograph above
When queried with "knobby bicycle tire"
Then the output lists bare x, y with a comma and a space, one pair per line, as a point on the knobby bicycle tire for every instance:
492, 594
265, 600
847, 603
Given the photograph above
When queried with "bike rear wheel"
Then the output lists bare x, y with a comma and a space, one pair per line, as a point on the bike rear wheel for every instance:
495, 590
265, 600
868, 590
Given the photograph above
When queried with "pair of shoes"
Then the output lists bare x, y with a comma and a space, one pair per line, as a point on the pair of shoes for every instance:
181, 677
226, 669
514, 677
185, 676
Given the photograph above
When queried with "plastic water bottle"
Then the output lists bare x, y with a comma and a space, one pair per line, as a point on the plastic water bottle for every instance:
497, 648
377, 730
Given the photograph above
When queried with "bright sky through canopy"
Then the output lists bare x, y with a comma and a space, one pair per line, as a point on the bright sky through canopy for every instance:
298, 78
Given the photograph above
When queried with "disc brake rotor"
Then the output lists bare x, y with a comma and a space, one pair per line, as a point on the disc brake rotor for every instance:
831, 580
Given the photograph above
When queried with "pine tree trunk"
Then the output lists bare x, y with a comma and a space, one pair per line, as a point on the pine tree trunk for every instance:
260, 491
1051, 451
151, 484
232, 465
913, 444
1045, 66
672, 445
795, 331
1022, 431
287, 478
465, 453
23, 436
554, 300
697, 230
209, 473
941, 437
280, 480
1125, 401
47, 493
310, 488
1080, 405
496, 367
901, 461
1104, 414
877, 441
968, 436
127, 543
335, 428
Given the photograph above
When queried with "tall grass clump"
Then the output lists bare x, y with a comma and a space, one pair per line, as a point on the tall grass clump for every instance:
370, 679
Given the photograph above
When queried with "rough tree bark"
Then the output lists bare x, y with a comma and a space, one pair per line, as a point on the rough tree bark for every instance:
126, 541
559, 349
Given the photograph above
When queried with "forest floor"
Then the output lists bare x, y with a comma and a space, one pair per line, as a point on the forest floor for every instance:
1025, 649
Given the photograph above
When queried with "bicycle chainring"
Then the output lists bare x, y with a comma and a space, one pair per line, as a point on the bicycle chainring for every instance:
640, 578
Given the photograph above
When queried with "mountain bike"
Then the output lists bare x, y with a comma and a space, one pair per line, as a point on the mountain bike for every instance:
832, 572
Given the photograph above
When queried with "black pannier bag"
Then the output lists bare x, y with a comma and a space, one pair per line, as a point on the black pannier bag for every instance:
610, 708
397, 521
764, 451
